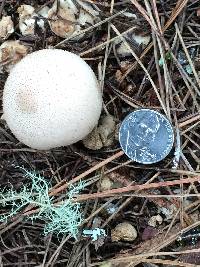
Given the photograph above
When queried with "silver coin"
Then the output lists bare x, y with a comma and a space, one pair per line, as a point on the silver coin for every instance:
146, 136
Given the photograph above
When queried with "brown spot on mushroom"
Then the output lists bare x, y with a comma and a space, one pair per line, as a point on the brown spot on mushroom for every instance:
26, 101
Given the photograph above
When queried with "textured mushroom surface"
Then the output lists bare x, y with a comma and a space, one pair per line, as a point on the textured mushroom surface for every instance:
51, 98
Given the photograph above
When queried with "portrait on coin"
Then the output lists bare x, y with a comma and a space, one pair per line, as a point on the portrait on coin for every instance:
141, 133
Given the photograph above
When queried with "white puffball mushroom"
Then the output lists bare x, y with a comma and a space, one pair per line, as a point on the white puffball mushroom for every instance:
51, 99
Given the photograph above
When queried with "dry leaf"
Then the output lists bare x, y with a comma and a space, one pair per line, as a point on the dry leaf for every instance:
28, 18
10, 53
61, 20
66, 20
6, 27
148, 233
139, 39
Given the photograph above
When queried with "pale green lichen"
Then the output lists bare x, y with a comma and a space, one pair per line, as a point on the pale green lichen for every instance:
64, 218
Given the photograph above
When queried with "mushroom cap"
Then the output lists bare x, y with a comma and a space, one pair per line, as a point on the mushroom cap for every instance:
51, 98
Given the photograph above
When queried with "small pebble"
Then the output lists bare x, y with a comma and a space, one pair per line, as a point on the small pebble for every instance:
105, 184
154, 220
103, 135
106, 264
124, 232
